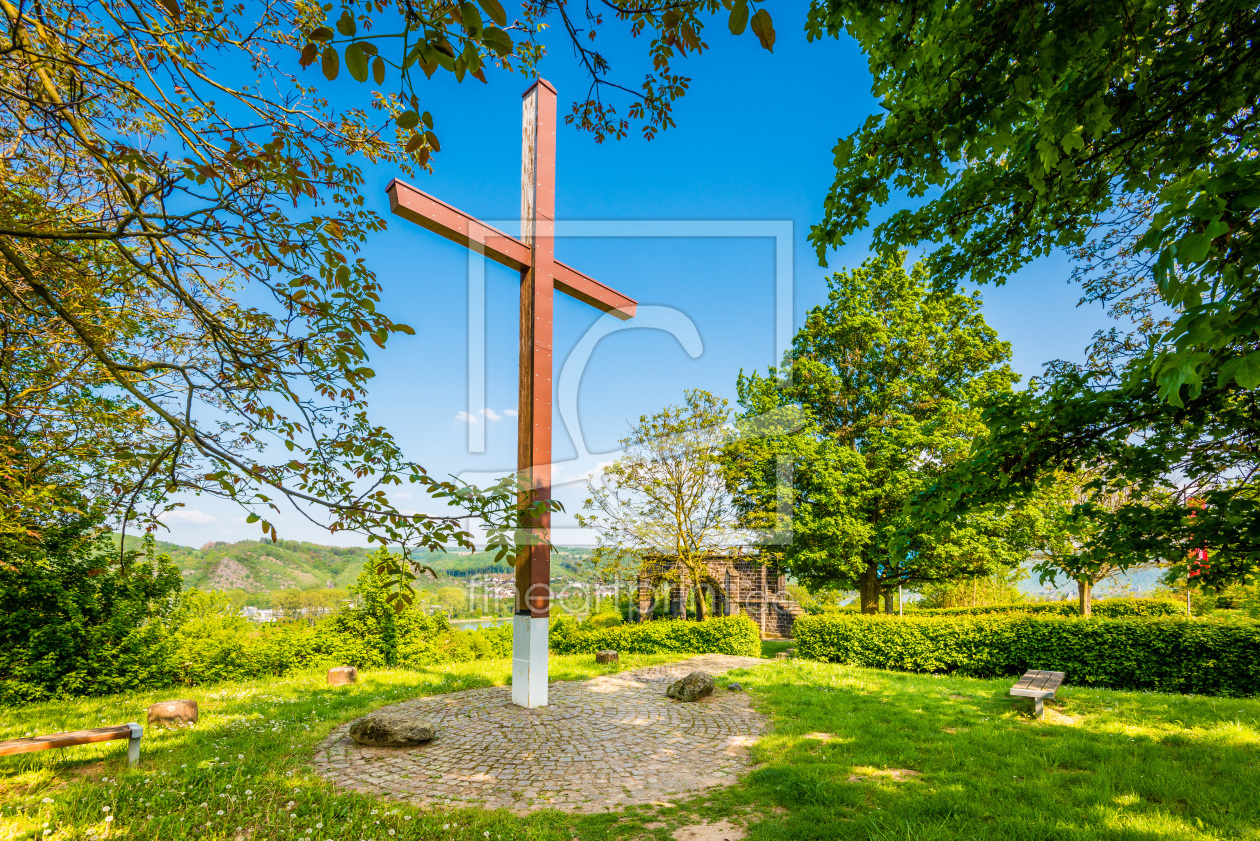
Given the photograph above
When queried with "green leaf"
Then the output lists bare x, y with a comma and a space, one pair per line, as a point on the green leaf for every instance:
346, 25
172, 8
427, 118
472, 17
495, 11
331, 63
356, 62
323, 33
763, 28
739, 17
378, 70
497, 40
407, 119
433, 141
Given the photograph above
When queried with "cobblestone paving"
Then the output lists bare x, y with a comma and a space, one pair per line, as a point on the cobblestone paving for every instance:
600, 744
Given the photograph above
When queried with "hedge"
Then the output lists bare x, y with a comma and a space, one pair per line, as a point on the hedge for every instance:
1102, 607
736, 635
1161, 654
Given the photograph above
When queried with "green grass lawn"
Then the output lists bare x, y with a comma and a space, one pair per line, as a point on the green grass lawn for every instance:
853, 753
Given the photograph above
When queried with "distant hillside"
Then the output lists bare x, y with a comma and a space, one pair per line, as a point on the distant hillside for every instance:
261, 565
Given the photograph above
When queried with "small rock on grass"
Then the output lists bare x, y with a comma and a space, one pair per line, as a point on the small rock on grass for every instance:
173, 713
392, 731
693, 687
734, 687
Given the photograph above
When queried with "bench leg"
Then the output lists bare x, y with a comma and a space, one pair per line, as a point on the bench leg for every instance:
133, 744
1039, 708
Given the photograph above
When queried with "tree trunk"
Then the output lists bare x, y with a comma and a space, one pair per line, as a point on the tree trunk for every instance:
888, 602
1085, 589
868, 588
700, 605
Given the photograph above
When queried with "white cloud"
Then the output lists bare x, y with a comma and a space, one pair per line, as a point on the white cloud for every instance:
401, 496
489, 414
189, 515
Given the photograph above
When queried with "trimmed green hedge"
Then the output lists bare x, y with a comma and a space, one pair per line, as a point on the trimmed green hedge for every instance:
1167, 655
1102, 607
736, 635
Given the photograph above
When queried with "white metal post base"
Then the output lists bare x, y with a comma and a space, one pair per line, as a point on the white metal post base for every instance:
529, 660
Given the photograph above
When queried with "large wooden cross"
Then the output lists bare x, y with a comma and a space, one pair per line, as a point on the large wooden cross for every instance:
534, 256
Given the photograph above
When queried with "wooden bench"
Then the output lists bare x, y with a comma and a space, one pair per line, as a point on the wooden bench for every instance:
1038, 685
131, 732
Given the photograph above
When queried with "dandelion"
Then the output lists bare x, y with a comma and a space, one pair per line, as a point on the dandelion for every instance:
108, 818
104, 808
220, 812
248, 792
319, 825
47, 800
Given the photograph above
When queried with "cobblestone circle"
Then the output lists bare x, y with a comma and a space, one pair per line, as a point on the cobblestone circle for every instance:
601, 744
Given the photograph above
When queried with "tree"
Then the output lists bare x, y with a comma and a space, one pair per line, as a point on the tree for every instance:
183, 301
880, 392
663, 506
1030, 122
1127, 134
1067, 529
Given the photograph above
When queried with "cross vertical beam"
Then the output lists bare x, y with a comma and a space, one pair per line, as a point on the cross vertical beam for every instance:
541, 276
533, 455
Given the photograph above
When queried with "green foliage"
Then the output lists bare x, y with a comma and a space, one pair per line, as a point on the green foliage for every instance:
1162, 654
880, 392
1106, 607
1022, 129
601, 620
736, 635
1025, 124
662, 508
75, 619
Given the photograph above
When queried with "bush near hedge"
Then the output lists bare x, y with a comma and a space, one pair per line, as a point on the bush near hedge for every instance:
737, 635
1167, 655
1102, 607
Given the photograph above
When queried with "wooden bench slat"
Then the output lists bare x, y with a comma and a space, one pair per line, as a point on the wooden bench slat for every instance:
1038, 685
65, 740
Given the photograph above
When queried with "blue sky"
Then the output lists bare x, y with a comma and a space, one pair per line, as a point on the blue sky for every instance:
751, 151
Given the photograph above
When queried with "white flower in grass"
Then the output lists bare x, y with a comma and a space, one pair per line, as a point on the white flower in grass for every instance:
319, 825
46, 800
108, 818
104, 808
248, 792
220, 812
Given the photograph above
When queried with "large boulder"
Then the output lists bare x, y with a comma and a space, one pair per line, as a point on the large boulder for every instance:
693, 687
392, 730
173, 713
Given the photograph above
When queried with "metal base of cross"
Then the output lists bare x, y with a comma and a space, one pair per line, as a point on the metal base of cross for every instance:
529, 660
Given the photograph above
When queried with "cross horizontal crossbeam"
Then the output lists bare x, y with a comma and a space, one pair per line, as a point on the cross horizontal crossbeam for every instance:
456, 225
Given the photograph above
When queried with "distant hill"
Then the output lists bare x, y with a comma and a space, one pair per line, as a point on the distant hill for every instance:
261, 565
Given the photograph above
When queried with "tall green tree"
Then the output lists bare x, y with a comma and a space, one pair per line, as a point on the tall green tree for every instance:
880, 392
1126, 133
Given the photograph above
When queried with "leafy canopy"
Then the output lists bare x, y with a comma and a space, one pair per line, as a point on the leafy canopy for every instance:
878, 395
1019, 125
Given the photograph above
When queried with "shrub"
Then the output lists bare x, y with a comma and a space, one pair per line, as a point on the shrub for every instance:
1126, 653
1103, 607
736, 635
75, 622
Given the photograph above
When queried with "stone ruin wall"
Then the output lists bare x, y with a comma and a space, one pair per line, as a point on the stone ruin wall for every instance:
739, 584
